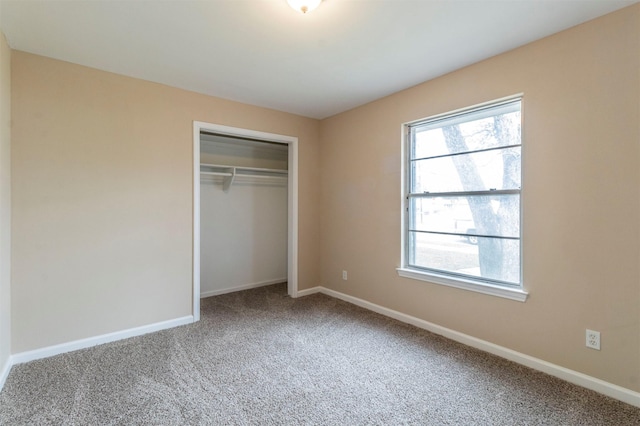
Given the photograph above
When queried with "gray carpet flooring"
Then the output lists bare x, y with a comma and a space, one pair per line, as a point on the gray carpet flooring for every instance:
258, 357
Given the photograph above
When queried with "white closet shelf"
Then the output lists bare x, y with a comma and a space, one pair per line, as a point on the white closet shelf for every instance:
231, 172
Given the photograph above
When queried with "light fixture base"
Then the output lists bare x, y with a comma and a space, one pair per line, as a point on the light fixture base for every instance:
304, 6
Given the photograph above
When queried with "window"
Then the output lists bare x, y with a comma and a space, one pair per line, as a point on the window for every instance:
462, 216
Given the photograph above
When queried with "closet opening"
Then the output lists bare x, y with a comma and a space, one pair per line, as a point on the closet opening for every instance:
245, 210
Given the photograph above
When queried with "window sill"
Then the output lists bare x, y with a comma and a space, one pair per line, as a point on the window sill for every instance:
493, 290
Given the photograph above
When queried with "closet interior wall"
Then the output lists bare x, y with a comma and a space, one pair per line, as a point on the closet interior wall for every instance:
243, 214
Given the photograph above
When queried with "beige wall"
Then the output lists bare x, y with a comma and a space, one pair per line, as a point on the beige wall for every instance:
102, 207
581, 199
5, 202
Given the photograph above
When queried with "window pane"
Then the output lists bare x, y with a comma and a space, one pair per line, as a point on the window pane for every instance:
488, 258
493, 215
480, 171
457, 134
473, 230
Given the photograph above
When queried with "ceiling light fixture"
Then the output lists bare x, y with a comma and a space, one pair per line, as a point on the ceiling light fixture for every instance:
304, 6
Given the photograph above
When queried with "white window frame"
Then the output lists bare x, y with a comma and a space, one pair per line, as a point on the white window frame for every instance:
461, 282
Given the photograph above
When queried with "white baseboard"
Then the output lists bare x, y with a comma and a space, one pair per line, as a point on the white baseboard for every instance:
204, 294
46, 352
4, 372
571, 376
308, 291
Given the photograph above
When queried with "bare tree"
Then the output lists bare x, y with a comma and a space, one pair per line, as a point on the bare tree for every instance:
494, 260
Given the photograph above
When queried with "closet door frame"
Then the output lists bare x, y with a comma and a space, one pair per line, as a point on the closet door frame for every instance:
292, 201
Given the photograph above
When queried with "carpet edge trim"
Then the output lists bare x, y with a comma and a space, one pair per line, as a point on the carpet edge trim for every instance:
49, 351
609, 389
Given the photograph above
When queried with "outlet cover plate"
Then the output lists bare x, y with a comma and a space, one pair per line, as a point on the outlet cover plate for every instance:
593, 339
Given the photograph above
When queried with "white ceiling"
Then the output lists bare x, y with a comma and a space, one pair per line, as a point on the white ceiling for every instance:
343, 54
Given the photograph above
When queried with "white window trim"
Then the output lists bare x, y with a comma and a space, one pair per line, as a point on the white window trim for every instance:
491, 289
517, 294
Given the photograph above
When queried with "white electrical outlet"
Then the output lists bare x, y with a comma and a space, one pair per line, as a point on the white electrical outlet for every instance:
593, 339
344, 275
